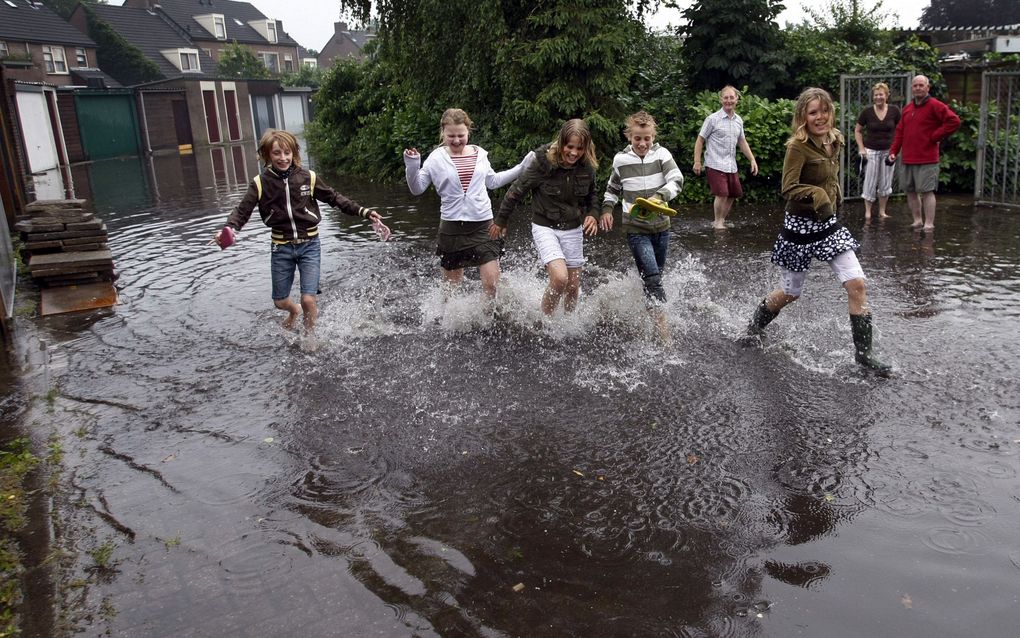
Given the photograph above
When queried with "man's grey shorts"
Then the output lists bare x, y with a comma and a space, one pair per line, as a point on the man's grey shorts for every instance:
920, 178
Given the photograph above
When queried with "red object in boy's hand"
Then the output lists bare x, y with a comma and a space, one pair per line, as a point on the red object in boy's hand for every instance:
225, 238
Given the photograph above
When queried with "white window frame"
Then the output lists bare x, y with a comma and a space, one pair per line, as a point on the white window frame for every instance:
288, 63
263, 55
186, 54
4, 51
51, 60
271, 30
220, 27
81, 57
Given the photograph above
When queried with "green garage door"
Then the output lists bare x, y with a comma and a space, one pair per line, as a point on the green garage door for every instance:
108, 125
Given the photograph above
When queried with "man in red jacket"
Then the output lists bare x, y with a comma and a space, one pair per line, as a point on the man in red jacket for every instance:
924, 123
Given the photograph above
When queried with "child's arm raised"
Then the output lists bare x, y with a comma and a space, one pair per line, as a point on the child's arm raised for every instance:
324, 193
417, 176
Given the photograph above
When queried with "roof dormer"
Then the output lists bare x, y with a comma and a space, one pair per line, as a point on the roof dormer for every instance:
265, 28
186, 60
214, 23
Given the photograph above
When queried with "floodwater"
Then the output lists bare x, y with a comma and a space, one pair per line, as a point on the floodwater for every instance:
430, 471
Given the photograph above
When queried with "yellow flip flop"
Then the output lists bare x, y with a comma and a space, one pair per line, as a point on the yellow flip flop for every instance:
646, 208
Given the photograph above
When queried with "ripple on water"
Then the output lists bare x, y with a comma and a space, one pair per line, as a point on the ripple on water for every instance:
967, 513
955, 541
708, 504
232, 488
257, 563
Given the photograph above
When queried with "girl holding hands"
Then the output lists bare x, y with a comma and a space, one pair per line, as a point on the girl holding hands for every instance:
462, 175
565, 207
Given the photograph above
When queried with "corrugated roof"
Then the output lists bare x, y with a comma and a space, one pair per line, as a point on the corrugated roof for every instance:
34, 22
183, 12
151, 34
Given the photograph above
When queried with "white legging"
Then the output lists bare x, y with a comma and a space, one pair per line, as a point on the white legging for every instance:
845, 265
877, 175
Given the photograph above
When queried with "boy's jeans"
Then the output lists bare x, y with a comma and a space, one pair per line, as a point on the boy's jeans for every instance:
650, 256
285, 258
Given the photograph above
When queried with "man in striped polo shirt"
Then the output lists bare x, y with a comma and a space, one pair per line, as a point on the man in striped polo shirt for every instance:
721, 134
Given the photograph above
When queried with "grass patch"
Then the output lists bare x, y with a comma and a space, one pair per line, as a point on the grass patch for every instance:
16, 461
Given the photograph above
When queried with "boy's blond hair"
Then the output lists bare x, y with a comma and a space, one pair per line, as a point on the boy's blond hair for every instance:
641, 118
285, 140
572, 128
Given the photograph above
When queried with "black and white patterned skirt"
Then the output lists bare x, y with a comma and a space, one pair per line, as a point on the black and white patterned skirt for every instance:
803, 238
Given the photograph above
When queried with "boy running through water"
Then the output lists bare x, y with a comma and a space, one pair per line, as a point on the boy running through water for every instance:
285, 194
644, 170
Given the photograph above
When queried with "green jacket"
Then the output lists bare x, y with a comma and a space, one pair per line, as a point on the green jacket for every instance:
811, 179
561, 197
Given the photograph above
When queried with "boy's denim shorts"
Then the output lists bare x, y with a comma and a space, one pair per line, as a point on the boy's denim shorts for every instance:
305, 257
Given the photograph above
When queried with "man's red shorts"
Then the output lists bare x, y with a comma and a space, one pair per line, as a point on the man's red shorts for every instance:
724, 184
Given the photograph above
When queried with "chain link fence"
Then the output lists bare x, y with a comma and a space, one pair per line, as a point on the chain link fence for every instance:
854, 97
997, 174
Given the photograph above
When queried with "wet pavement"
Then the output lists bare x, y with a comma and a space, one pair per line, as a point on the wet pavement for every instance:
431, 471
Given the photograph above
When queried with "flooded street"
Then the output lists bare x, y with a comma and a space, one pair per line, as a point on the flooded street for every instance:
431, 471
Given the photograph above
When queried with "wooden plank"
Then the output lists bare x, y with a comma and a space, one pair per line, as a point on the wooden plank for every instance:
66, 234
54, 203
75, 298
72, 243
71, 259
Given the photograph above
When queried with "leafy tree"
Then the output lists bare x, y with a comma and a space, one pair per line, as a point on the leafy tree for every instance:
970, 13
238, 61
852, 22
304, 76
734, 42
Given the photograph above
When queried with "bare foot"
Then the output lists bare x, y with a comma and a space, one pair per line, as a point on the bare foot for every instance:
662, 327
929, 227
882, 215
290, 321
916, 225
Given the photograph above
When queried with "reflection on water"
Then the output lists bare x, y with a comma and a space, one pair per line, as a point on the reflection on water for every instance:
434, 471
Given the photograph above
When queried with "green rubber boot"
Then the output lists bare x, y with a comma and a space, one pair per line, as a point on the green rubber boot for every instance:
862, 329
762, 317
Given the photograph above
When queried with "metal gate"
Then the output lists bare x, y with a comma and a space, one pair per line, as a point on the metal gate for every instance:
997, 178
108, 123
854, 97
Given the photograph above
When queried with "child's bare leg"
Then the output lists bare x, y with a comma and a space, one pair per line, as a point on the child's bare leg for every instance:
490, 277
558, 279
311, 309
451, 281
573, 289
290, 307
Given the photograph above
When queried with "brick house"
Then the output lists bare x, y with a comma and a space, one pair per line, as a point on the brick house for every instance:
37, 45
345, 43
214, 24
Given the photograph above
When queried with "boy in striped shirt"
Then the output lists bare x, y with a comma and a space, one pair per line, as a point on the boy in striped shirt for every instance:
644, 169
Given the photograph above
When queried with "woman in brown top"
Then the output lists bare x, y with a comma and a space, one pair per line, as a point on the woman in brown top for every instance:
874, 132
810, 229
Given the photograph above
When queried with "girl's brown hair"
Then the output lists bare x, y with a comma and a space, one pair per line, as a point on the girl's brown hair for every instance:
285, 140
572, 128
798, 126
641, 118
453, 117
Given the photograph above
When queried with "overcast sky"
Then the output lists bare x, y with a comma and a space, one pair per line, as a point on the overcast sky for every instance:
310, 22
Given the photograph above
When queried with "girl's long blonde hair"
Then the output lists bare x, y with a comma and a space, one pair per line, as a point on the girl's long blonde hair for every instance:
572, 128
798, 127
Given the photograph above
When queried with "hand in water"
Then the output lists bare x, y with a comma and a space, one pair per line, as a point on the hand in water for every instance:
381, 229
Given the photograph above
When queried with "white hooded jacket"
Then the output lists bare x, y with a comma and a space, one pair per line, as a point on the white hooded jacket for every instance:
456, 204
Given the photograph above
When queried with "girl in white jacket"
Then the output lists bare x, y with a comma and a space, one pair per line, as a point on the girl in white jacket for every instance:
462, 176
